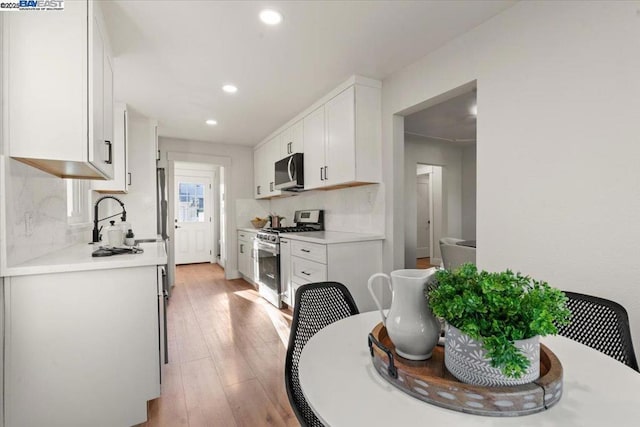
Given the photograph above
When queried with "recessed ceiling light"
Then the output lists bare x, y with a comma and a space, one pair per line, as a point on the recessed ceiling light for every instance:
270, 17
211, 122
229, 88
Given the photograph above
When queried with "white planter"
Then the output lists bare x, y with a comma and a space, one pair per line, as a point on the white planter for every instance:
466, 359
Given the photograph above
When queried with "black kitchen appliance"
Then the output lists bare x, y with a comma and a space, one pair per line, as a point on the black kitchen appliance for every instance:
289, 173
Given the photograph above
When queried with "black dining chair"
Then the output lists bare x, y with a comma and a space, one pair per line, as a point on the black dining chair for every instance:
601, 324
316, 305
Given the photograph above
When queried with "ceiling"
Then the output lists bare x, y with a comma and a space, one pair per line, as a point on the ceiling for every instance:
451, 120
172, 58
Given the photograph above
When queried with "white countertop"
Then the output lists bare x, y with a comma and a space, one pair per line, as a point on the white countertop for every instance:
325, 237
78, 258
330, 237
249, 229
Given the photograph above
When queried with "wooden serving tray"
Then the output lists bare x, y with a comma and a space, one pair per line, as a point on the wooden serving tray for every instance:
430, 381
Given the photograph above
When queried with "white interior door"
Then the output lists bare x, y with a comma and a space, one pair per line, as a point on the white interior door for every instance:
193, 234
423, 217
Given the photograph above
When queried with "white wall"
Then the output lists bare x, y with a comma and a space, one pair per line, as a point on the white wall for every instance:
354, 209
418, 149
558, 177
238, 177
469, 193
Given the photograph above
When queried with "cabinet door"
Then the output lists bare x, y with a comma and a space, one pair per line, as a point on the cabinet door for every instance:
285, 271
243, 264
121, 176
108, 108
45, 60
100, 97
314, 145
341, 148
291, 141
70, 364
259, 160
273, 155
297, 138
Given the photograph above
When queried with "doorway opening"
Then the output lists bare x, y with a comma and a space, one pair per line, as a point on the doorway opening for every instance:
197, 167
197, 212
440, 175
428, 214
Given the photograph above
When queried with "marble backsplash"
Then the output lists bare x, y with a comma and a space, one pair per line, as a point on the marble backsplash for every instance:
353, 209
36, 214
247, 209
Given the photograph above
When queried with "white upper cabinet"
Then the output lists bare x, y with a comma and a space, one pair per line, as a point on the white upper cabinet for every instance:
264, 159
292, 140
345, 149
121, 175
314, 154
340, 136
59, 115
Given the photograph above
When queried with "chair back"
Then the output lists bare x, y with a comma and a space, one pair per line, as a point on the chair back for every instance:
453, 255
601, 324
316, 305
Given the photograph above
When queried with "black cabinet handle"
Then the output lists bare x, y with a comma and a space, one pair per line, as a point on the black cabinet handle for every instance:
129, 174
305, 273
258, 190
241, 248
305, 250
109, 159
325, 173
321, 178
271, 186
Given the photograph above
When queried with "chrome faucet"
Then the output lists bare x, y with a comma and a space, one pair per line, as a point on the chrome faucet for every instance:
96, 231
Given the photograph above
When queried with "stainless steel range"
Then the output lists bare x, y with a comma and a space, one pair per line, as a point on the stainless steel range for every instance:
266, 249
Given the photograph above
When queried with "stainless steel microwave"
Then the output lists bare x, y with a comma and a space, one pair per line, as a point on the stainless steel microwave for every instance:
290, 173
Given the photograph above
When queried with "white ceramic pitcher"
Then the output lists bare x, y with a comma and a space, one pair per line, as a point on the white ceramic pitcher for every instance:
411, 325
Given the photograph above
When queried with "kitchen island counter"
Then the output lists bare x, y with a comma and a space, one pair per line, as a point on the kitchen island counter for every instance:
78, 258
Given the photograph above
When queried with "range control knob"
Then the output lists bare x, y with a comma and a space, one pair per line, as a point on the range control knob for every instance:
272, 238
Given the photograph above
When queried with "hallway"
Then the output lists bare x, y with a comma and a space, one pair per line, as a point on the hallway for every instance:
226, 350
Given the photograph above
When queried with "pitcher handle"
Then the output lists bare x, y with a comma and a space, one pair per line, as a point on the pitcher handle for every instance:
373, 294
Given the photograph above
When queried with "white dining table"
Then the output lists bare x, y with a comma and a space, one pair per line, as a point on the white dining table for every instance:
343, 388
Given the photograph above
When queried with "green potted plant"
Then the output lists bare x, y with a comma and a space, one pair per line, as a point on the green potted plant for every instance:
494, 323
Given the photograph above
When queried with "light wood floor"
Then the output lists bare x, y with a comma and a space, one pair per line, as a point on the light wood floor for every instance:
227, 348
424, 263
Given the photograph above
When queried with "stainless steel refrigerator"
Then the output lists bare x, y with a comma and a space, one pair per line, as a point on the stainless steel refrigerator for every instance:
163, 223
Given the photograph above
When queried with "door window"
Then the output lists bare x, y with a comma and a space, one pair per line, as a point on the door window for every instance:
191, 204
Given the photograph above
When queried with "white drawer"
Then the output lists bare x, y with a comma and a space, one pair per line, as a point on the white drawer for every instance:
313, 251
305, 271
245, 235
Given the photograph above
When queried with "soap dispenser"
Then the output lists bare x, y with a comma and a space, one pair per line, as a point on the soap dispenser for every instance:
115, 236
129, 239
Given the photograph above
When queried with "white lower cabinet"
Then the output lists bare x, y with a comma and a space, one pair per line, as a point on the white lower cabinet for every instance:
285, 272
246, 264
350, 263
81, 348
